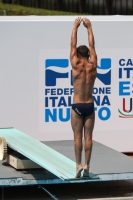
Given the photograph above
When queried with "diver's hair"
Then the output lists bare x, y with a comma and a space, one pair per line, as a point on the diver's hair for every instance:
83, 51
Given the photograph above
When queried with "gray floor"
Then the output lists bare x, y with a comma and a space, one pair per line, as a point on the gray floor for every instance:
104, 160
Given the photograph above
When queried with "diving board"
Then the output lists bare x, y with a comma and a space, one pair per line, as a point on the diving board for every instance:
46, 157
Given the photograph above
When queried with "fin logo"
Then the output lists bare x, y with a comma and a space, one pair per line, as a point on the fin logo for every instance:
51, 75
104, 71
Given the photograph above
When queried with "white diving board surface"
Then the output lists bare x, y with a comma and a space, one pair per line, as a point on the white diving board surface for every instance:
46, 157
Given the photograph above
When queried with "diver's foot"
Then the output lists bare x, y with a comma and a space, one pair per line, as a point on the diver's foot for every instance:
79, 171
86, 172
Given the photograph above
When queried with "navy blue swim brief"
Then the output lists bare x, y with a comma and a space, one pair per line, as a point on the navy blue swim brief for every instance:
83, 109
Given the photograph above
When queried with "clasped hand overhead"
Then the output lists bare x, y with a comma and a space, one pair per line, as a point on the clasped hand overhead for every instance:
86, 22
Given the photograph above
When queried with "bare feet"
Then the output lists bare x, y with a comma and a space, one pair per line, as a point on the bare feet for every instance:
79, 169
86, 171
